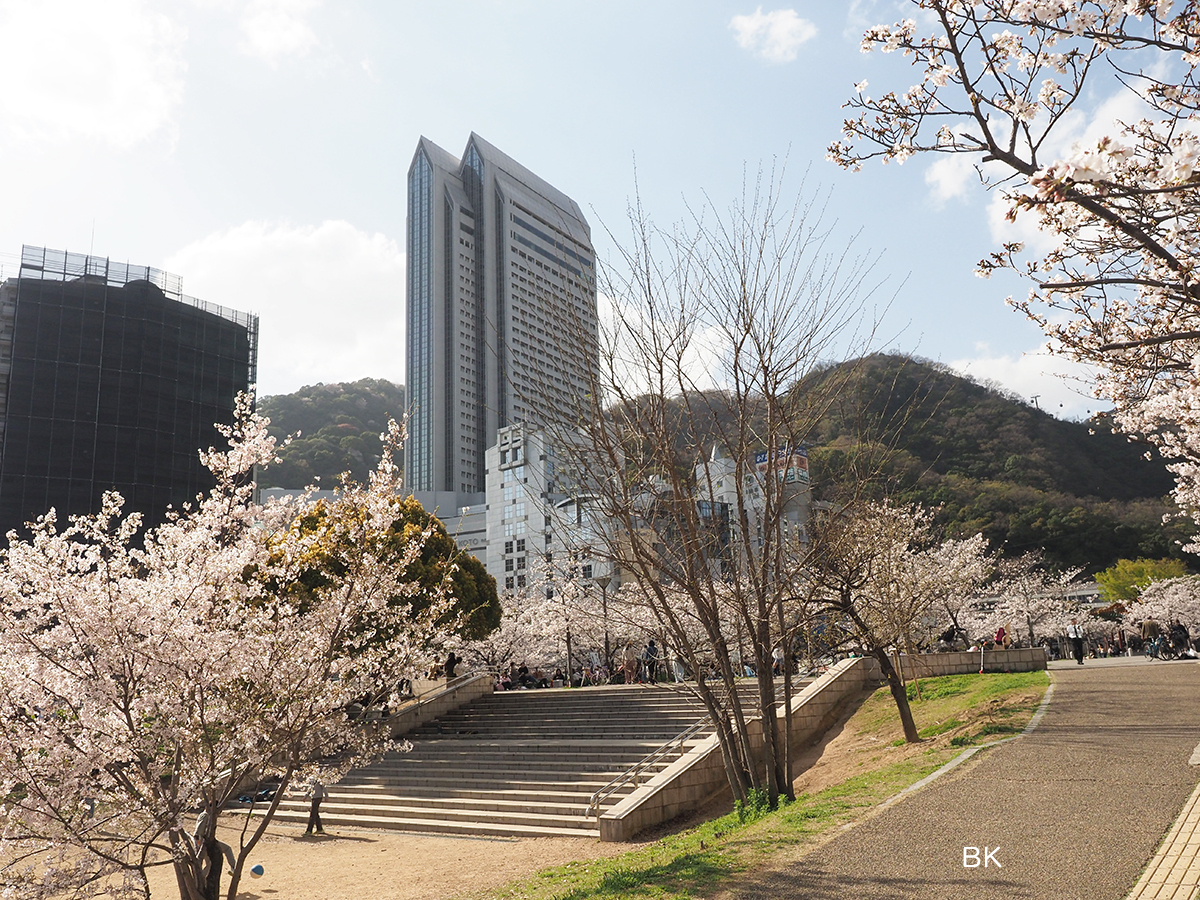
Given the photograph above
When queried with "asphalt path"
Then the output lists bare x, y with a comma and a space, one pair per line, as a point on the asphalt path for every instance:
1074, 809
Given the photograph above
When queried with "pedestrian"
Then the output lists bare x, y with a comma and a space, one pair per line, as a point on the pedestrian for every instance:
650, 658
630, 663
1075, 633
314, 810
451, 662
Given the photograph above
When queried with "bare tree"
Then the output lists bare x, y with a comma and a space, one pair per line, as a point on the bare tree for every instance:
704, 397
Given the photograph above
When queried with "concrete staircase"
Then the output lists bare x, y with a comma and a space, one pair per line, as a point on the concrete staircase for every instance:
513, 763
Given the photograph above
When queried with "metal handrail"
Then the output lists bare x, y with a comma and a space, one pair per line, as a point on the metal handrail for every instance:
634, 772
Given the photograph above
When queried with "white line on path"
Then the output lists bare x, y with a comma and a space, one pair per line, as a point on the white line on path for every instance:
1195, 760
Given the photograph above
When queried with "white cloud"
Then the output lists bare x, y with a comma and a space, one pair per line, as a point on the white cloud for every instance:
79, 69
949, 176
330, 298
1024, 228
275, 29
634, 347
271, 30
773, 36
1062, 387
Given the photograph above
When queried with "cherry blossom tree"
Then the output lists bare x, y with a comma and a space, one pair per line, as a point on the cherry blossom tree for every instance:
1027, 595
1166, 601
1008, 83
521, 637
146, 683
880, 569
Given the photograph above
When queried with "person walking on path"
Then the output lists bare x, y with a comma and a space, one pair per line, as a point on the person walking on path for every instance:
630, 663
650, 658
1075, 633
314, 810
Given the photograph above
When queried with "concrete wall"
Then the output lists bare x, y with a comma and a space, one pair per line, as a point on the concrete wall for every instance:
929, 665
699, 774
458, 692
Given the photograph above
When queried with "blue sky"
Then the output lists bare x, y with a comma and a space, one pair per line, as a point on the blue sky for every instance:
258, 149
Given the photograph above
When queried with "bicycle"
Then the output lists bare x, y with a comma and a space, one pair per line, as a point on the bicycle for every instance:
1162, 647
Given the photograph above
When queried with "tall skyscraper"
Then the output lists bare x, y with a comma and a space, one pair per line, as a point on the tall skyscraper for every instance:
111, 378
501, 306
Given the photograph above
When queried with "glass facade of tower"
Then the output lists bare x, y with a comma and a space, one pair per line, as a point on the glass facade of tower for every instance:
113, 381
419, 452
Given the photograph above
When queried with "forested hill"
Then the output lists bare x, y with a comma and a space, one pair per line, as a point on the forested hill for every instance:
339, 427
954, 426
995, 464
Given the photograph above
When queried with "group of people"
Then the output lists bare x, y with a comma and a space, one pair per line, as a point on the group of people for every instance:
633, 667
521, 678
1175, 636
643, 668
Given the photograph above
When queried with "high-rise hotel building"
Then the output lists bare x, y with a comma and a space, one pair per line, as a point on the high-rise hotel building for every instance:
501, 310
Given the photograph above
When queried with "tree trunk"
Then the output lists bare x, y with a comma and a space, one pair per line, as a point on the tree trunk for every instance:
770, 734
212, 883
899, 694
739, 779
735, 770
786, 643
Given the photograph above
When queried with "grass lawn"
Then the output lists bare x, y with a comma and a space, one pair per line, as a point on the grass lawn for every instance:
951, 713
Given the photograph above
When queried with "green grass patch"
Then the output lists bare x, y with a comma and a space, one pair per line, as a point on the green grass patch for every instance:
700, 861
998, 698
939, 728
938, 688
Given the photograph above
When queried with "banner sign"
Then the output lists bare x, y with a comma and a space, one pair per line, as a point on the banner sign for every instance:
789, 463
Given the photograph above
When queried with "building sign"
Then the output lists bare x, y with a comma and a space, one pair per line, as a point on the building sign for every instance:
790, 464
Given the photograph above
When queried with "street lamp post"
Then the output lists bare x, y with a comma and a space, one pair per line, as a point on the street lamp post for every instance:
603, 581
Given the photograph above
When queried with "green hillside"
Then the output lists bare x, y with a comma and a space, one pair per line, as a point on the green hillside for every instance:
339, 427
996, 465
959, 427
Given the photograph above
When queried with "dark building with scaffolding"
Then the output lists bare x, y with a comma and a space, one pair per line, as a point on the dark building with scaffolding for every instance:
110, 378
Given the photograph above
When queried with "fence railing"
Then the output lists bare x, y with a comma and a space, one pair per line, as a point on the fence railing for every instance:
634, 773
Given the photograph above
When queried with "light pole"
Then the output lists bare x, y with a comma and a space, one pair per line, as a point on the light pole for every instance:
603, 581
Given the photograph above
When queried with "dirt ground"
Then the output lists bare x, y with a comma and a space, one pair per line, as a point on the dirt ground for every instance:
361, 864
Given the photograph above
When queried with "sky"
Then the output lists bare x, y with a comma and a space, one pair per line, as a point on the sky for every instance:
259, 150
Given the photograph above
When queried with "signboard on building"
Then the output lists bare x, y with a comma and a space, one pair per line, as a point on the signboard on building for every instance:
790, 464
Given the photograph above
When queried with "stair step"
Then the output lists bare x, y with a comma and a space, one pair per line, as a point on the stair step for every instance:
366, 793
450, 808
446, 827
515, 763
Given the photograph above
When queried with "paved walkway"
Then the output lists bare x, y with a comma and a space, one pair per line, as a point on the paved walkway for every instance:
1077, 807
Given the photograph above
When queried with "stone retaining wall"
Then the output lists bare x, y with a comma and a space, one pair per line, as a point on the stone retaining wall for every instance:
699, 774
930, 665
459, 692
